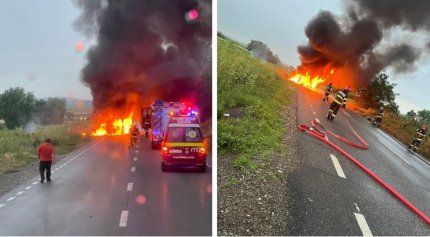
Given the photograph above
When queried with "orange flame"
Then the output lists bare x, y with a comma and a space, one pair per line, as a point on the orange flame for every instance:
307, 80
116, 127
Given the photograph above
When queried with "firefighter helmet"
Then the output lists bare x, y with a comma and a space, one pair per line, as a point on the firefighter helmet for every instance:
347, 89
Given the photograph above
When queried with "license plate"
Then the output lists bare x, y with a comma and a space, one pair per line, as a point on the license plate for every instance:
175, 151
183, 157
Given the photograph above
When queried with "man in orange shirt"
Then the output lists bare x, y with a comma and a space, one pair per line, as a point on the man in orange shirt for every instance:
45, 153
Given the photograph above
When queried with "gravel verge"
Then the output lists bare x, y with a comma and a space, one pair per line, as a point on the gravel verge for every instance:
9, 181
257, 203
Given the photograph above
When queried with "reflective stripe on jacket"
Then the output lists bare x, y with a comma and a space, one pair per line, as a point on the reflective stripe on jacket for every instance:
340, 98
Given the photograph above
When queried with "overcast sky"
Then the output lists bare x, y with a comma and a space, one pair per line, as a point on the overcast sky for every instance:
280, 24
37, 48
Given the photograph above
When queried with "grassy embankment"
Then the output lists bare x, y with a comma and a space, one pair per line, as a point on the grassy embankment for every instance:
255, 97
18, 148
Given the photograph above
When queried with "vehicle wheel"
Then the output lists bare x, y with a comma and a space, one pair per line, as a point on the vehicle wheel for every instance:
202, 168
164, 167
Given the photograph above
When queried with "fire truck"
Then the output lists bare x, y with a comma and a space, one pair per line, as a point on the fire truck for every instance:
183, 144
160, 114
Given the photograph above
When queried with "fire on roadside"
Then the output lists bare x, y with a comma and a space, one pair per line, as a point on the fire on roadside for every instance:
113, 125
308, 78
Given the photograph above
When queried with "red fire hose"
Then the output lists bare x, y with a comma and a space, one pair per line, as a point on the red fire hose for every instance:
315, 132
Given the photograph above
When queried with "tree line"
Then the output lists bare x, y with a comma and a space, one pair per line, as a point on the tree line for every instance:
18, 107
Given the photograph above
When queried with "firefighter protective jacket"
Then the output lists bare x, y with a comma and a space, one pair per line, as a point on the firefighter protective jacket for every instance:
340, 98
328, 89
421, 133
380, 114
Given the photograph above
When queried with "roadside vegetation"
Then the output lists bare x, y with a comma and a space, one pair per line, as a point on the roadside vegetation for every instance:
401, 126
252, 99
25, 122
18, 147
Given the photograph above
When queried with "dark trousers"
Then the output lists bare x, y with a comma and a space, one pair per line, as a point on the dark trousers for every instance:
45, 165
334, 107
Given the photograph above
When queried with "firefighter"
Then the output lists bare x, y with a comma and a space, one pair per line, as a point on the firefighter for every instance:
328, 89
378, 119
147, 124
134, 136
421, 133
339, 100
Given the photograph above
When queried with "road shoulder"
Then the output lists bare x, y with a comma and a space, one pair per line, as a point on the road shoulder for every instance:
257, 204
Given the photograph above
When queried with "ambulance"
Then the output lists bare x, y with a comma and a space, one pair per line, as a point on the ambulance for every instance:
183, 143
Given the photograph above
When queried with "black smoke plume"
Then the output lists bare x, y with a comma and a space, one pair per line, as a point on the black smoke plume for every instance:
149, 48
352, 42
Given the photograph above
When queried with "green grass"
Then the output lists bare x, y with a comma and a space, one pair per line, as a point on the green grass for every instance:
18, 148
256, 98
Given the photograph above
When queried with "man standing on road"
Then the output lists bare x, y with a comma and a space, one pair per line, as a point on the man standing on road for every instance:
45, 152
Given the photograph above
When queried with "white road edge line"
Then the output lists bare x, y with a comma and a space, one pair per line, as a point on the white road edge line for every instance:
363, 224
395, 152
133, 169
130, 187
123, 219
337, 166
10, 199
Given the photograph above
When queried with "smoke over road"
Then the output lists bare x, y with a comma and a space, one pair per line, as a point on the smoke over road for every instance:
148, 49
363, 42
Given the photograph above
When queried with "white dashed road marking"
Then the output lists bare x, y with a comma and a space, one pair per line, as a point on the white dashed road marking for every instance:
337, 166
1, 205
135, 159
394, 151
28, 187
314, 113
19, 193
136, 151
10, 199
133, 169
35, 182
130, 187
363, 225
123, 219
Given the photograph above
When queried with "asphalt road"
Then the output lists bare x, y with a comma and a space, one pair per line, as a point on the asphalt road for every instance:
330, 195
105, 189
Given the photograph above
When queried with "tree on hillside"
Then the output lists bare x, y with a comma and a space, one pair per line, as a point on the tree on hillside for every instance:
261, 50
411, 114
16, 107
51, 111
380, 93
221, 35
424, 116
